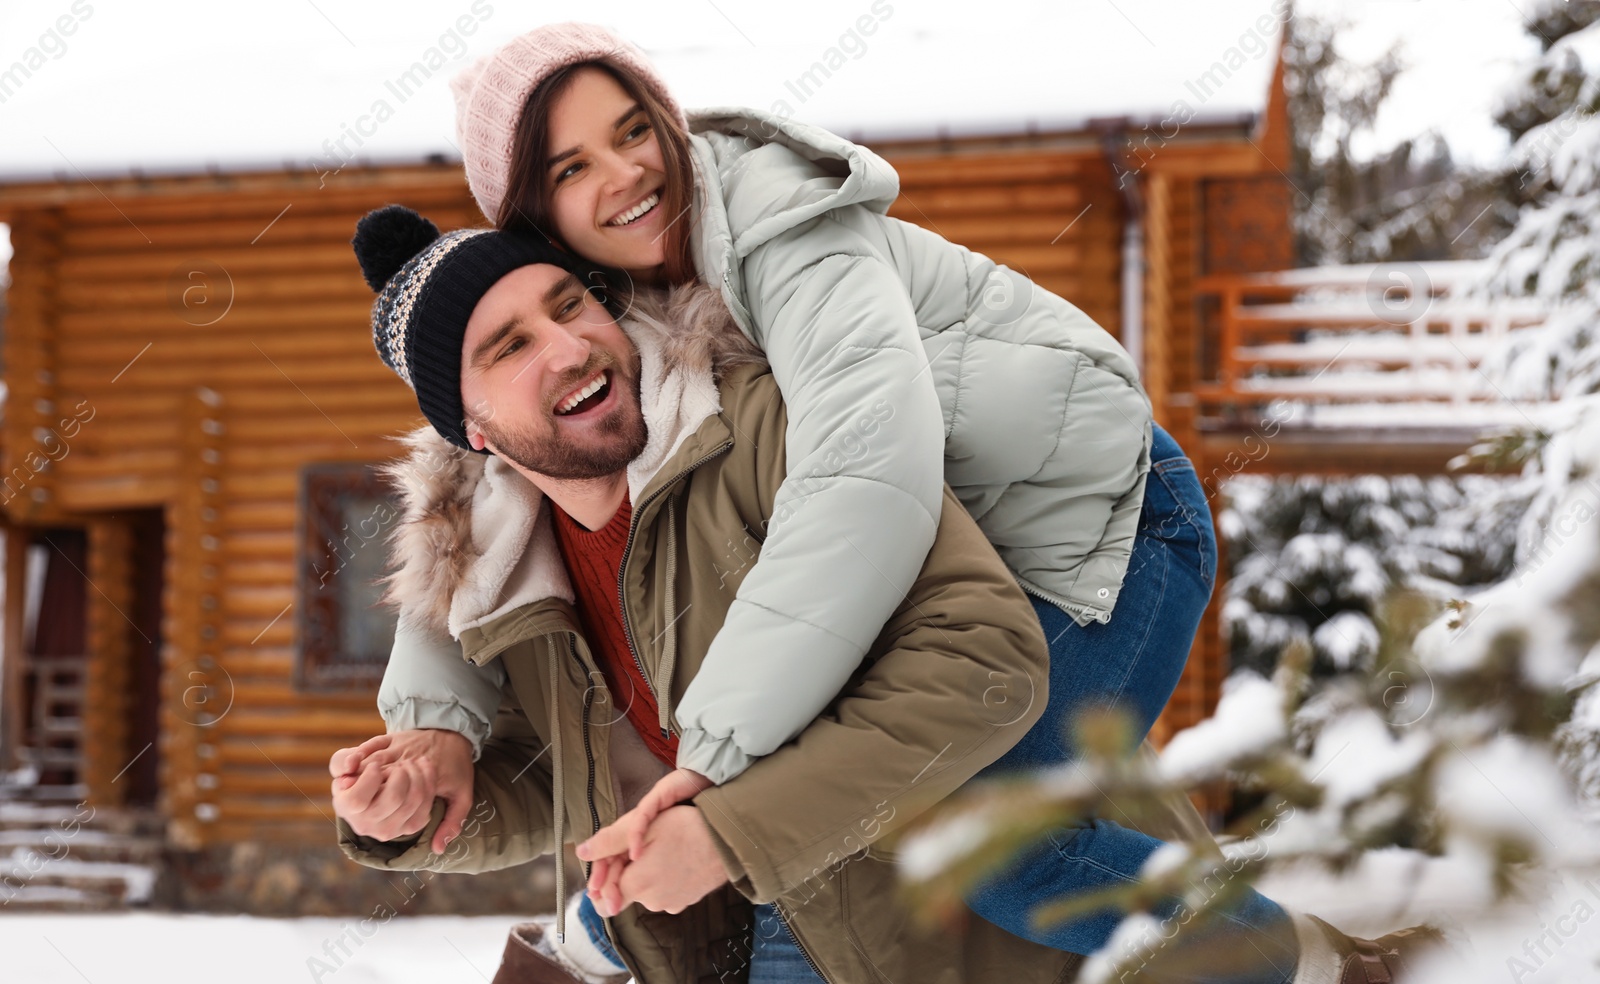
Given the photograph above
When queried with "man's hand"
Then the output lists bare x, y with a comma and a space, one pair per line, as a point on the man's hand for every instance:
385, 787
678, 866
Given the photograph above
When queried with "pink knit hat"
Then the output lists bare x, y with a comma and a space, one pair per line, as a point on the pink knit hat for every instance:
491, 93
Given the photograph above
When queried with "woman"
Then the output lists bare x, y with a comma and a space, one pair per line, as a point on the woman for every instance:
905, 361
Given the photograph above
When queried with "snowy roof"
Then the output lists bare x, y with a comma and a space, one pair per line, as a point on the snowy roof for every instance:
190, 86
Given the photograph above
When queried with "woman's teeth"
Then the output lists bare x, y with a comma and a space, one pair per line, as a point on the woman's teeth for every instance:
572, 401
636, 211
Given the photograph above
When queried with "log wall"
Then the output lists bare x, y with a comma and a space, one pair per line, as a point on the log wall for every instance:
203, 346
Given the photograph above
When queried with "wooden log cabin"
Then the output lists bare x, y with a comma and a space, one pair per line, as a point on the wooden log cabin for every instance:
193, 409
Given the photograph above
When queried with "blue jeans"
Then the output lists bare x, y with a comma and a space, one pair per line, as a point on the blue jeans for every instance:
775, 958
595, 926
1132, 662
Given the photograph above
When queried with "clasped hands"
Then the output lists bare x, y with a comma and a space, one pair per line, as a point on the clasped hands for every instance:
659, 854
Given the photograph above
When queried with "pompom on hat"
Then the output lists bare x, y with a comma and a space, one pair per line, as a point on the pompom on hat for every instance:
490, 95
427, 286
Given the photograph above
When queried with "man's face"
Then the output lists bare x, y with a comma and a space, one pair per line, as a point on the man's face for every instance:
548, 380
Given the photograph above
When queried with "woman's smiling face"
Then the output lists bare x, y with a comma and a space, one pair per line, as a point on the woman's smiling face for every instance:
606, 176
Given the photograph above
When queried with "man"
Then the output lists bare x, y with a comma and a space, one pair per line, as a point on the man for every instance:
585, 420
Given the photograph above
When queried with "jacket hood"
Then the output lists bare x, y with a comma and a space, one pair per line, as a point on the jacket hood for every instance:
475, 538
760, 175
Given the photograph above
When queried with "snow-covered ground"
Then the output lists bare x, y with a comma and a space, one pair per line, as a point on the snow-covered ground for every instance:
146, 948
1548, 940
1389, 889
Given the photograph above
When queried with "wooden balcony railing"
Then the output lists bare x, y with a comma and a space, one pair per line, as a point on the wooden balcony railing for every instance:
1385, 334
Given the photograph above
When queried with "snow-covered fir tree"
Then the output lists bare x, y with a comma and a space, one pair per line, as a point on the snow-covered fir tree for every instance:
1410, 202
1311, 558
1553, 252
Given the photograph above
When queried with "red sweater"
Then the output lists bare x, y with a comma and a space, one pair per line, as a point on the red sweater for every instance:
594, 561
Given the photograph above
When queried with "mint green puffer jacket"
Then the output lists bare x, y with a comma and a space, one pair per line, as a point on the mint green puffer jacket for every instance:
904, 360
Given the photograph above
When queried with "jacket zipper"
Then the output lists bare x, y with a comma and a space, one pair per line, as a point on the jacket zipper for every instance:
783, 918
1070, 607
627, 548
588, 749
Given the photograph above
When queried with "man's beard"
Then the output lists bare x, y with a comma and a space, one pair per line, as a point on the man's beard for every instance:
620, 438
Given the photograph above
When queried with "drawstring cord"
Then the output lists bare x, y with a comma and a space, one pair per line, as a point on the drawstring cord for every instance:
558, 798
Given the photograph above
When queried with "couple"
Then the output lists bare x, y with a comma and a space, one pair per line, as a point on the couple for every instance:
713, 604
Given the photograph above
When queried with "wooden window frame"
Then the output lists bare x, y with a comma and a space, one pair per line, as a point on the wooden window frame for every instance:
325, 545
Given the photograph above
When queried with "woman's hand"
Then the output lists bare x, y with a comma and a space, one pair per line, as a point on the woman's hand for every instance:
614, 846
678, 866
628, 832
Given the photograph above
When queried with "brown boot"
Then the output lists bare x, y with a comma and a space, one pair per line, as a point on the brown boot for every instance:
529, 959
1328, 956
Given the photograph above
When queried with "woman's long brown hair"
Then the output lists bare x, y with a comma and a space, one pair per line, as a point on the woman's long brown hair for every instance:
528, 190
